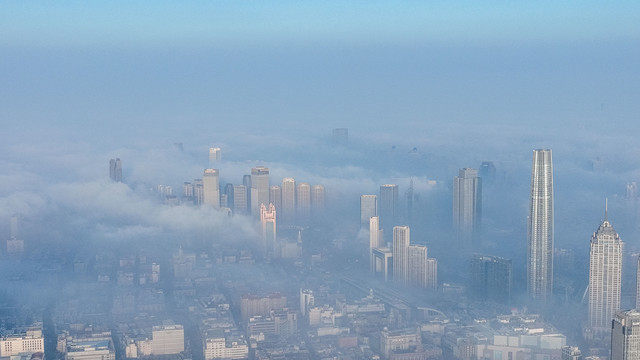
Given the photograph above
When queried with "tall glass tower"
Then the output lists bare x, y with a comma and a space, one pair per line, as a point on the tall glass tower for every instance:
540, 228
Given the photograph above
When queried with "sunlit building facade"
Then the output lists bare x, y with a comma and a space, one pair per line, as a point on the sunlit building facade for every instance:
211, 188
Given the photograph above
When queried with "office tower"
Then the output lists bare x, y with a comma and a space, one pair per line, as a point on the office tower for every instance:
491, 278
275, 197
317, 199
211, 188
368, 208
303, 203
374, 241
246, 181
228, 192
418, 269
340, 136
571, 353
605, 271
268, 222
259, 188
625, 336
409, 197
306, 301
240, 199
540, 228
198, 192
288, 201
467, 205
401, 239
115, 170
388, 206
14, 244
487, 172
383, 259
214, 155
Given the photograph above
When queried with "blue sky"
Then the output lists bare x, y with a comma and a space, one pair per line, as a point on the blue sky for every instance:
68, 23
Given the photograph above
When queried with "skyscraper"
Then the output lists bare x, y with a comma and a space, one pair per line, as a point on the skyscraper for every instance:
638, 284
540, 228
625, 336
317, 199
417, 266
491, 278
211, 187
303, 203
467, 204
288, 201
115, 170
605, 272
259, 188
240, 199
388, 206
368, 208
374, 241
268, 222
275, 197
401, 240
215, 154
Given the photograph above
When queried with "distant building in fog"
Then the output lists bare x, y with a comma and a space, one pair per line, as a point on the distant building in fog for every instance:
303, 203
317, 199
467, 205
275, 197
368, 208
268, 222
115, 170
631, 191
401, 240
571, 353
491, 278
288, 201
340, 136
388, 206
215, 154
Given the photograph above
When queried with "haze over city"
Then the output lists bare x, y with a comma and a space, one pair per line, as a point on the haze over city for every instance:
347, 96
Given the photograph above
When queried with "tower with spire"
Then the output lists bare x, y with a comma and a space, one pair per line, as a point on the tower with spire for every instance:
605, 274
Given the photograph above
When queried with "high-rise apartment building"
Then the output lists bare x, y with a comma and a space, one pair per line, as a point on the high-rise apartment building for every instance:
211, 188
467, 204
368, 208
388, 206
275, 197
401, 240
115, 170
491, 278
303, 203
418, 267
605, 277
540, 228
625, 336
317, 199
259, 188
288, 201
268, 222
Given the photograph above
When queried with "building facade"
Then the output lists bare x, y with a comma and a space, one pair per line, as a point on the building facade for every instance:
625, 336
467, 204
211, 188
368, 208
605, 277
